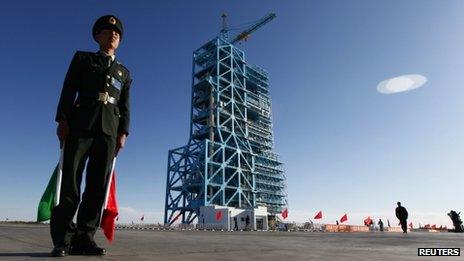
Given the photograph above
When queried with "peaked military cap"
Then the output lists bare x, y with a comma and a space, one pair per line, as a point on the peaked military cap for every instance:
105, 22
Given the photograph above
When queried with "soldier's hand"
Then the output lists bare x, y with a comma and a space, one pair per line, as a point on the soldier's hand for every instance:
121, 141
62, 131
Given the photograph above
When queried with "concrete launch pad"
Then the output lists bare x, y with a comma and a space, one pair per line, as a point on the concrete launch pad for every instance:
32, 242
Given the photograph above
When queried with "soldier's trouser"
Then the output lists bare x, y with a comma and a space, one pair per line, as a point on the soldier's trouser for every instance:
99, 150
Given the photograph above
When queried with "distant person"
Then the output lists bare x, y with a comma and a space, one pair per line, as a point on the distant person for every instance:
247, 221
457, 222
402, 215
235, 223
336, 222
380, 223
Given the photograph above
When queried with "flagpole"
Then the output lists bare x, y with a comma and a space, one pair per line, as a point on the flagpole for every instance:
59, 177
108, 185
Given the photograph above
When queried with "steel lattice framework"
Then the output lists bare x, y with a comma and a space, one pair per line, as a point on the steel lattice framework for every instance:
229, 160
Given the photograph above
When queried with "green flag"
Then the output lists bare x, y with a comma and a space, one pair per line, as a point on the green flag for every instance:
47, 202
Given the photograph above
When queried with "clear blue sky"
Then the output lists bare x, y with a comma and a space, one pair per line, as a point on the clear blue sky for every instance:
347, 148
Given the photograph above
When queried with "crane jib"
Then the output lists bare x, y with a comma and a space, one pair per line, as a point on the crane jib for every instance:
254, 27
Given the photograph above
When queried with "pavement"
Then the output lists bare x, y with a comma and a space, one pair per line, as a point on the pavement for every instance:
32, 242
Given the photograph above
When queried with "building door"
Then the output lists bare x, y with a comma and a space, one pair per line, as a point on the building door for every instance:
259, 223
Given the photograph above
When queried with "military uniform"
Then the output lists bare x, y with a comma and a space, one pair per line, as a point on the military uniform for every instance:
95, 104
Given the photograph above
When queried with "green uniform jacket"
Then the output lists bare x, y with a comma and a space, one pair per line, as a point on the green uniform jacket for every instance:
87, 76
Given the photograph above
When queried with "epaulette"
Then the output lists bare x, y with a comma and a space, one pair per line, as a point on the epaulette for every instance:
124, 67
126, 71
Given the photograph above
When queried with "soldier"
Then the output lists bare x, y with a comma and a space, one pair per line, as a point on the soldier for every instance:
402, 215
93, 123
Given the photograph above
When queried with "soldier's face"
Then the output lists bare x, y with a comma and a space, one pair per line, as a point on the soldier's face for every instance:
108, 39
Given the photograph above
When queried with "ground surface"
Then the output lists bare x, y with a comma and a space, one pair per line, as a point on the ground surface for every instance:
32, 242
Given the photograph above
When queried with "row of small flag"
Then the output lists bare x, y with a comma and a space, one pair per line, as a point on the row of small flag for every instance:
344, 218
367, 221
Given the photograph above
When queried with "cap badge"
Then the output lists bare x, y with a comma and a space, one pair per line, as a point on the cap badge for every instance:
112, 20
119, 73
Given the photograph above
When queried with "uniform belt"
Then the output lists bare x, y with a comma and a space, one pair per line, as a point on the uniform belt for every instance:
102, 96
105, 98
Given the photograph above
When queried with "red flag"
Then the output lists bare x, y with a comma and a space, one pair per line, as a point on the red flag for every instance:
285, 213
367, 221
318, 215
142, 218
410, 225
344, 218
110, 212
218, 215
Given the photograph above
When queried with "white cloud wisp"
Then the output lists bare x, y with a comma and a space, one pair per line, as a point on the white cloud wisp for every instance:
401, 83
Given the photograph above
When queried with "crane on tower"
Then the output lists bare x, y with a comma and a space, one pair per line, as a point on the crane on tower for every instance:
247, 32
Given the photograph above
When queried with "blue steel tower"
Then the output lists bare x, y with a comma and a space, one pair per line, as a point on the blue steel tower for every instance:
229, 160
